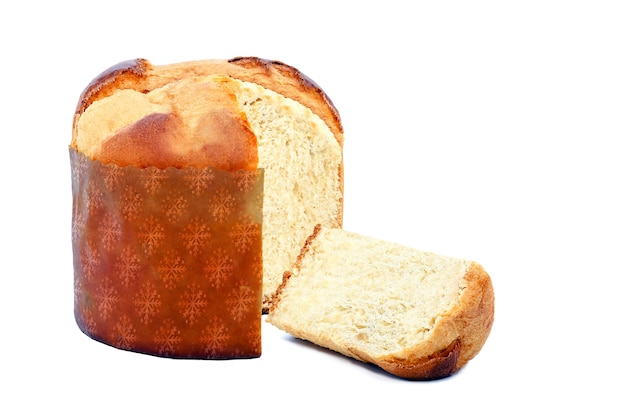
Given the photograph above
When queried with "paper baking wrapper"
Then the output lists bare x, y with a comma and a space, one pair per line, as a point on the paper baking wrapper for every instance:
168, 262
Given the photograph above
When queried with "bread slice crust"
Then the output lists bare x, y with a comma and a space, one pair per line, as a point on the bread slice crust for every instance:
456, 337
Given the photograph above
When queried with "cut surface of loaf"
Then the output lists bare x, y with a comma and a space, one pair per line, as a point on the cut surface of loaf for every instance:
239, 114
415, 314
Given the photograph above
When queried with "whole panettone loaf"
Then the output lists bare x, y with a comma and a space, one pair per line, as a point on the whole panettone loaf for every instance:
242, 113
415, 314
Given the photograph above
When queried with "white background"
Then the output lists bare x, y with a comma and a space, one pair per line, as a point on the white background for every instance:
488, 130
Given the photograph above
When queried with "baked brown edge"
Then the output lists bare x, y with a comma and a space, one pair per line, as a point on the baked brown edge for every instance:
472, 319
287, 275
475, 313
435, 366
124, 75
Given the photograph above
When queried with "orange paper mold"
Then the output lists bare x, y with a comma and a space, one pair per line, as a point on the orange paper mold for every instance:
168, 262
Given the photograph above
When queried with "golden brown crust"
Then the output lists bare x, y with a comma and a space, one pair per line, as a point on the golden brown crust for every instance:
145, 143
475, 312
142, 76
436, 366
164, 140
124, 75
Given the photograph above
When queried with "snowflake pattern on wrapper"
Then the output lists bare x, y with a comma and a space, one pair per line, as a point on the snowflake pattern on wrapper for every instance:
151, 234
106, 297
246, 179
125, 333
239, 301
198, 180
130, 203
168, 338
78, 226
127, 267
88, 323
152, 178
195, 235
192, 303
94, 198
244, 233
110, 231
175, 205
147, 303
214, 337
78, 166
222, 204
171, 269
219, 268
112, 175
89, 261
168, 262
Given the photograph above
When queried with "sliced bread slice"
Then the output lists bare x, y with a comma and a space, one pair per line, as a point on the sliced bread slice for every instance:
415, 314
